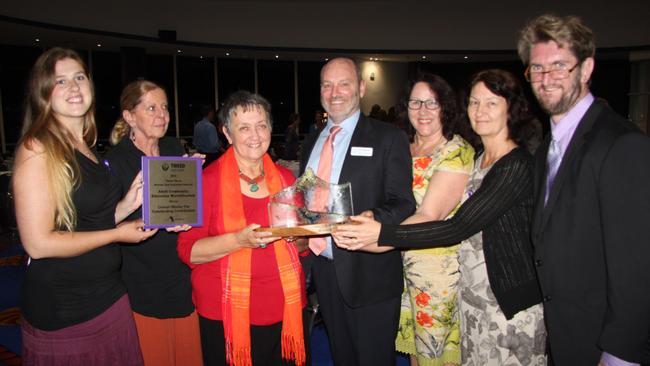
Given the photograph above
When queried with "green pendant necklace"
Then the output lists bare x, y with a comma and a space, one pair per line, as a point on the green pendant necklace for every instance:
253, 185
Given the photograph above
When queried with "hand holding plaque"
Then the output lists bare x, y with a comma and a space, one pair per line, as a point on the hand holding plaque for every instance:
172, 191
311, 206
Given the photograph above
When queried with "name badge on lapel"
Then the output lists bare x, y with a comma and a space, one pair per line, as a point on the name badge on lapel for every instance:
361, 151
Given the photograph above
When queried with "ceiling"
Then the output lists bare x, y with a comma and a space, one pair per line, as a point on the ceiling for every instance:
386, 30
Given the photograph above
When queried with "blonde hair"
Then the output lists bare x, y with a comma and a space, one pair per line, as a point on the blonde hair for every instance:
41, 125
130, 98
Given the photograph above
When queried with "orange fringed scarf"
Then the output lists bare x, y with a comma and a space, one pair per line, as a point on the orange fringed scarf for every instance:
236, 273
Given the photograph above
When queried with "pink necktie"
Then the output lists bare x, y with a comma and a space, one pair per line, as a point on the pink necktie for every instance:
317, 245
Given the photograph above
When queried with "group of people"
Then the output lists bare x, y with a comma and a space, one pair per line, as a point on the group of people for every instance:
465, 249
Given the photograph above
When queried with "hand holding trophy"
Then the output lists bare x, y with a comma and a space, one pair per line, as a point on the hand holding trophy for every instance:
309, 207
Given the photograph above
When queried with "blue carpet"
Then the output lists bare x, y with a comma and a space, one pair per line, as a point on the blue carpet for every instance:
320, 350
12, 273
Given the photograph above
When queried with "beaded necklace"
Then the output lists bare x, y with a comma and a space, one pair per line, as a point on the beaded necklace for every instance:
253, 185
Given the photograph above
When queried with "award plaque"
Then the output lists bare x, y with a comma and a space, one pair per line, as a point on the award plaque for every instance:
309, 207
171, 191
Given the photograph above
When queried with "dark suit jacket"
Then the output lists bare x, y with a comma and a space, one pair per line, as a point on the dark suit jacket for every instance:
381, 183
592, 242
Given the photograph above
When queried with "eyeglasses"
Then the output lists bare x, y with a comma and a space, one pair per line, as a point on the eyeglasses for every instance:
558, 71
429, 104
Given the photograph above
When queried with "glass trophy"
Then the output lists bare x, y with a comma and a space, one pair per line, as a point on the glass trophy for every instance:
311, 206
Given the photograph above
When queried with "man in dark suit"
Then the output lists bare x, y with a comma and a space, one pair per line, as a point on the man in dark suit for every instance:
359, 293
590, 226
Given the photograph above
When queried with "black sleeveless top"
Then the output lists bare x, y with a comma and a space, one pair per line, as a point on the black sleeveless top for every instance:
59, 292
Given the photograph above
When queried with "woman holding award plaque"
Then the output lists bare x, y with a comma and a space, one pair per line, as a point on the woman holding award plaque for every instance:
158, 283
248, 286
74, 304
501, 314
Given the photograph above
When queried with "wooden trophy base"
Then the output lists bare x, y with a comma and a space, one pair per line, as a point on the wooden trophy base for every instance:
303, 230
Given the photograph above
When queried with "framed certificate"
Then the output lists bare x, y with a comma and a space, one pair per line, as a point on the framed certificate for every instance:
171, 191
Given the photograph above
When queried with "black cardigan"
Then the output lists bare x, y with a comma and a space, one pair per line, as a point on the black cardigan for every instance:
502, 209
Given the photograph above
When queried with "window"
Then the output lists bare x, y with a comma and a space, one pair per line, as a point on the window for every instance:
234, 74
195, 88
275, 83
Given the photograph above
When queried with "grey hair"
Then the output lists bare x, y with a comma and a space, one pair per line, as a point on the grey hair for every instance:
247, 101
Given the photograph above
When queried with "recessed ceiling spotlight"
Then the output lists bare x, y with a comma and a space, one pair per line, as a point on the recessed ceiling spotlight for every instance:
277, 56
201, 57
424, 57
178, 50
37, 39
466, 57
327, 59
99, 44
227, 53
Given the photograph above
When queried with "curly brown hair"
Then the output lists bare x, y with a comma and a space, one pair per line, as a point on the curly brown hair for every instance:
446, 98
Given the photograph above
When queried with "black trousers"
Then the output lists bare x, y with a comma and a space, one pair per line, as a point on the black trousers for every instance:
363, 336
266, 346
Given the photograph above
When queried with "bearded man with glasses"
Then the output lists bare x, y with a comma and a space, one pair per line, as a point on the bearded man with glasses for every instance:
590, 226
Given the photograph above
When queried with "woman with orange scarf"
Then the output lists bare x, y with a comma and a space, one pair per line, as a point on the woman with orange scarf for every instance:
248, 286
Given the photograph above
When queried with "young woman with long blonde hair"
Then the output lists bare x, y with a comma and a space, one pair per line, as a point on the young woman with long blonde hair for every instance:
74, 304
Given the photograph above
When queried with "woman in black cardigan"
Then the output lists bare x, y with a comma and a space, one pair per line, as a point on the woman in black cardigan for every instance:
501, 318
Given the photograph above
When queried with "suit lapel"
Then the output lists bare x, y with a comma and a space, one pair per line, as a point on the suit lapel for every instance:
360, 137
540, 182
572, 152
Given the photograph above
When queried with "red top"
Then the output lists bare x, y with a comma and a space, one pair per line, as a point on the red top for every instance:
267, 298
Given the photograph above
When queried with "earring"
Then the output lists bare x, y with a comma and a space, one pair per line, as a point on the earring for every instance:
132, 135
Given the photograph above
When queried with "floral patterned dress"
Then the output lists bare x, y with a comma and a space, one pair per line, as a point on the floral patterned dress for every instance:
487, 337
429, 320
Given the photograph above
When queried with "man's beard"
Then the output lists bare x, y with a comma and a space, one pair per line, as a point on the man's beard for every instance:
566, 101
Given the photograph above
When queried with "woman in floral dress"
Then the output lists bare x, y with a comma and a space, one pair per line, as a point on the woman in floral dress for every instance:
442, 160
501, 315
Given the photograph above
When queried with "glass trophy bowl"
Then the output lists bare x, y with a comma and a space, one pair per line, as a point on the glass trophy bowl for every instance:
311, 206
